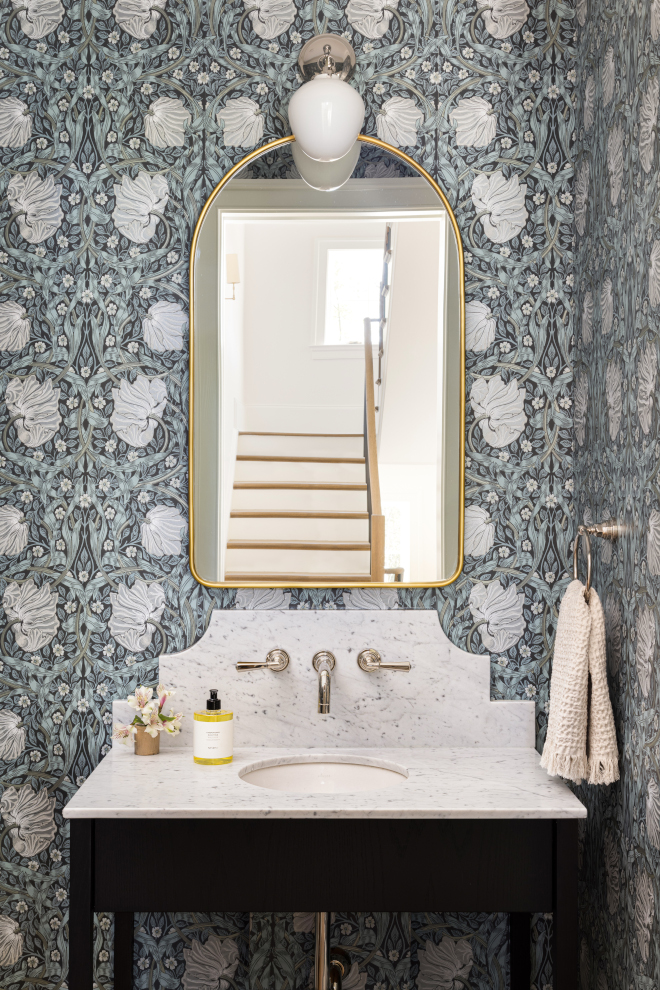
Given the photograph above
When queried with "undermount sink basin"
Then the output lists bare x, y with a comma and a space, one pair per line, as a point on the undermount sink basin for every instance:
324, 774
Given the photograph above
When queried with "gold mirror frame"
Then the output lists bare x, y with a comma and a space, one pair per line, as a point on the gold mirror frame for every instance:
411, 163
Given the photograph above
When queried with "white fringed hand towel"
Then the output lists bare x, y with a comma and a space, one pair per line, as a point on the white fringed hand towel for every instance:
581, 739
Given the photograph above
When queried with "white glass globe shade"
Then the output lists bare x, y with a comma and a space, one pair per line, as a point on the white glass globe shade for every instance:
326, 116
325, 176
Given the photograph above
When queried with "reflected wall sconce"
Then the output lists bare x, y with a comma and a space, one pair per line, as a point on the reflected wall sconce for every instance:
326, 114
233, 277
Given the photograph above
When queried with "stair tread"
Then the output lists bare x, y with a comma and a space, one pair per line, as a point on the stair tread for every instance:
297, 545
304, 485
296, 514
252, 433
236, 577
300, 460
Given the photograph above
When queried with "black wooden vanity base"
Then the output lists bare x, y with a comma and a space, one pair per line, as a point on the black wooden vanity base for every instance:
512, 865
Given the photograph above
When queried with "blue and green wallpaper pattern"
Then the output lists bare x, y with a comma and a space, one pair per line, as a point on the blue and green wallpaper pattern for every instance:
617, 194
116, 122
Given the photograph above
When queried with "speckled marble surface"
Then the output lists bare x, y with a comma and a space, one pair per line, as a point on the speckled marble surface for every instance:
444, 700
441, 783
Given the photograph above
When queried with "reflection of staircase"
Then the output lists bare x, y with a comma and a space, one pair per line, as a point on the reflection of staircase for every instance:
299, 509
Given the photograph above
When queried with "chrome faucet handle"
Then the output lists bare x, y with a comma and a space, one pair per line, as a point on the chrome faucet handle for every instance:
322, 655
370, 661
276, 660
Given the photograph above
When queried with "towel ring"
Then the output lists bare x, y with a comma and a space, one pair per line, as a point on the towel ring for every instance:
610, 530
582, 532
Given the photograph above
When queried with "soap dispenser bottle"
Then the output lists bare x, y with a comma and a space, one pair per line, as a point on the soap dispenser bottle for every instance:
213, 733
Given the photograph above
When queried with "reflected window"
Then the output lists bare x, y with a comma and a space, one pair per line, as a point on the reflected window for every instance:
352, 292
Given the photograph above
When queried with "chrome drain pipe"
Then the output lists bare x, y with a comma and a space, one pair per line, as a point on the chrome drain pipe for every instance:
330, 966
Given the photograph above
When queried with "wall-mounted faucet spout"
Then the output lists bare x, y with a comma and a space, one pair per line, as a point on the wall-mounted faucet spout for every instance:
324, 663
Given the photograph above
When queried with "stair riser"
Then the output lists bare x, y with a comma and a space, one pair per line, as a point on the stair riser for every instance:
302, 446
305, 472
291, 499
299, 529
306, 561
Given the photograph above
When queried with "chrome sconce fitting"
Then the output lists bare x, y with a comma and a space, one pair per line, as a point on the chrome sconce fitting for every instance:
276, 660
370, 660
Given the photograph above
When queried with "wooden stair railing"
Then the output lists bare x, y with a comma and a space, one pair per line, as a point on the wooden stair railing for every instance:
376, 517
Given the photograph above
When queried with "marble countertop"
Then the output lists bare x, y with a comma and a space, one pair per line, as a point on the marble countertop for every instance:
442, 783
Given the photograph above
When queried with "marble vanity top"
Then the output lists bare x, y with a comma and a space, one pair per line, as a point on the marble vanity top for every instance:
442, 783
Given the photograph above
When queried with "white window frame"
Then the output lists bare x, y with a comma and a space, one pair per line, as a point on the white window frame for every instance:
320, 349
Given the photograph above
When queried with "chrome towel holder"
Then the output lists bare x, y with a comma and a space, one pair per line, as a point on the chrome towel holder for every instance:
608, 531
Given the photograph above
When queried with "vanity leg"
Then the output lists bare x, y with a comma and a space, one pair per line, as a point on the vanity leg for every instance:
123, 969
565, 905
81, 895
519, 950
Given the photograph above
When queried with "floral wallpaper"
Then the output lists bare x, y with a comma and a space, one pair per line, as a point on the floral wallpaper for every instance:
116, 122
617, 451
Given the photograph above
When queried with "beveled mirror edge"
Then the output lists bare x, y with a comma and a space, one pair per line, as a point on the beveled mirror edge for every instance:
397, 153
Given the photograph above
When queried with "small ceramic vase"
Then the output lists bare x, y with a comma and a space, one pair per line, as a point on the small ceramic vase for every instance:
145, 745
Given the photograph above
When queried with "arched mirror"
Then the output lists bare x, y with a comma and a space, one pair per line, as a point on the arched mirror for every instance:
327, 377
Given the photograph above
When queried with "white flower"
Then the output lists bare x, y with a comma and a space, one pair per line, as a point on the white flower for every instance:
476, 122
582, 196
397, 121
36, 409
645, 649
136, 202
581, 397
653, 543
262, 598
615, 161
354, 980
207, 962
589, 102
500, 408
13, 531
502, 205
162, 531
606, 306
163, 327
613, 382
479, 531
371, 17
38, 17
646, 372
587, 317
608, 76
33, 815
270, 18
32, 612
446, 966
37, 203
371, 599
12, 735
644, 913
648, 121
14, 326
480, 326
138, 17
134, 610
501, 611
11, 941
243, 123
165, 123
504, 17
653, 812
655, 20
15, 123
612, 872
136, 403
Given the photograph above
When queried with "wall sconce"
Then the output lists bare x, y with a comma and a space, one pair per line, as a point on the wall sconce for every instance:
233, 277
326, 114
